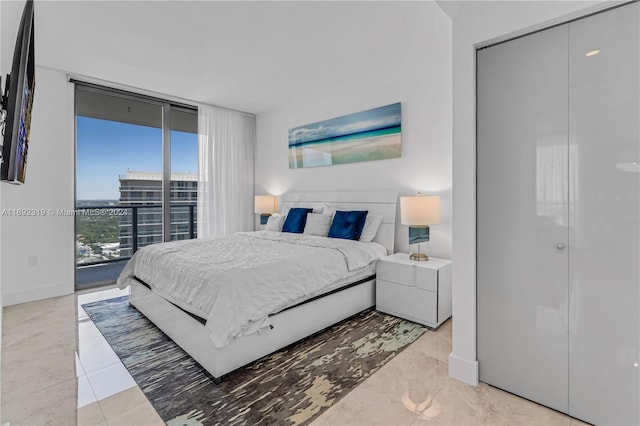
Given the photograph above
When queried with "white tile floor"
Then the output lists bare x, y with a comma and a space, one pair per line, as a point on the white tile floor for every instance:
57, 369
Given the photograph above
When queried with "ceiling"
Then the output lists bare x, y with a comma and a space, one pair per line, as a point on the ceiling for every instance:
250, 56
451, 7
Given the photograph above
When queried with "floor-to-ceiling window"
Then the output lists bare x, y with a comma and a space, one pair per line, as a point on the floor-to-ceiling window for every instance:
184, 172
136, 178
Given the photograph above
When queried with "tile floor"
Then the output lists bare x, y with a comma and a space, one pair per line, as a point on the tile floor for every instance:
57, 369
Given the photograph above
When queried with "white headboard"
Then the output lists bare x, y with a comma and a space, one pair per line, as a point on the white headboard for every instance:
377, 202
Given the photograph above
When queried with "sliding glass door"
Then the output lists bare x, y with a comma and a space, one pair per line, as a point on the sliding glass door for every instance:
136, 178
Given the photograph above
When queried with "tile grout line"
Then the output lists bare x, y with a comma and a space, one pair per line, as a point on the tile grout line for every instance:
91, 385
10, 401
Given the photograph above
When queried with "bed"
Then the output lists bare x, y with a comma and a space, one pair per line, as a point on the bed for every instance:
226, 328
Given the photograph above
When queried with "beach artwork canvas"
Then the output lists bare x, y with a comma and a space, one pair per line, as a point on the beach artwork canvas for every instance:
374, 134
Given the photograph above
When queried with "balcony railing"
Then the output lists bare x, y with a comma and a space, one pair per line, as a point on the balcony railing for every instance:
107, 234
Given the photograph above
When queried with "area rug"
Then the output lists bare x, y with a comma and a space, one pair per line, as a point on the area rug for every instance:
290, 387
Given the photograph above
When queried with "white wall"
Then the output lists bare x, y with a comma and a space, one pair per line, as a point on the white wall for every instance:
477, 22
38, 251
46, 241
3, 71
421, 80
9, 20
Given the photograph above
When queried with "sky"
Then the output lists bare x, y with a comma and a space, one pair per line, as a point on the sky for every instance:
107, 149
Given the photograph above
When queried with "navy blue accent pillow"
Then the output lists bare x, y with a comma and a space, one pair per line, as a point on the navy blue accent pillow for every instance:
296, 220
348, 225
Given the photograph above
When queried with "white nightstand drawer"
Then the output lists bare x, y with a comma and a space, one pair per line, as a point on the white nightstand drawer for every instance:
417, 291
427, 278
395, 272
407, 302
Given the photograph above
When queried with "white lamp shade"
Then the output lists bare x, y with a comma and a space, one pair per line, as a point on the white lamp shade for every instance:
265, 204
420, 210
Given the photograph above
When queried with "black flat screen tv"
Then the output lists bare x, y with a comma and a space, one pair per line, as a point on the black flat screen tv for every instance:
18, 102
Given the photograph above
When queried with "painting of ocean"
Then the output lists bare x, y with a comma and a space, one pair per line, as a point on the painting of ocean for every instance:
374, 134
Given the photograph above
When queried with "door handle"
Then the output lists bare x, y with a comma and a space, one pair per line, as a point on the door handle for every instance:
560, 246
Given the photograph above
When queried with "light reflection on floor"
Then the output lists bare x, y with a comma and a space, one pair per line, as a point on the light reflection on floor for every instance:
57, 368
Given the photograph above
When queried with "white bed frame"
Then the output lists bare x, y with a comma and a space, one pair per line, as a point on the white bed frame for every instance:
290, 325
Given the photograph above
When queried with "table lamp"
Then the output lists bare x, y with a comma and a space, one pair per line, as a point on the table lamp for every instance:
265, 205
419, 212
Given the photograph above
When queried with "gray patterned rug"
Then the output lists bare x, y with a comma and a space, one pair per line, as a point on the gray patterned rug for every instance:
290, 387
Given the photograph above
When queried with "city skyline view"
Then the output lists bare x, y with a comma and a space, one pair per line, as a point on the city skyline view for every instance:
108, 149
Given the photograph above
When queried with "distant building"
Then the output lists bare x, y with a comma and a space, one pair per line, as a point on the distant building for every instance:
145, 189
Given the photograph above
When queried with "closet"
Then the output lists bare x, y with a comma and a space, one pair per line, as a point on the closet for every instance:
558, 216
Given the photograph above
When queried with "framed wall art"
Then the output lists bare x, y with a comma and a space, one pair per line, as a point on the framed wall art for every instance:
374, 134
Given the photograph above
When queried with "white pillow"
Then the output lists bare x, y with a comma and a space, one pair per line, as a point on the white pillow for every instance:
328, 210
317, 224
285, 209
371, 225
274, 223
321, 209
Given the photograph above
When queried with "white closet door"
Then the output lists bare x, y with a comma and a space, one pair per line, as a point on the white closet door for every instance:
522, 218
604, 250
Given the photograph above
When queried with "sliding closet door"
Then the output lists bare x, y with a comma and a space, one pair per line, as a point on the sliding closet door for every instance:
522, 218
604, 250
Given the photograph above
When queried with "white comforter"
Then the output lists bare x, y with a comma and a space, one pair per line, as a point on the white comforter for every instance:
235, 282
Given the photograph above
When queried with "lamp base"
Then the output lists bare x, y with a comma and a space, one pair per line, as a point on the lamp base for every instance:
264, 217
420, 257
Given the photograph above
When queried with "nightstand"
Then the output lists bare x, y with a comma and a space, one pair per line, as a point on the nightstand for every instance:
417, 291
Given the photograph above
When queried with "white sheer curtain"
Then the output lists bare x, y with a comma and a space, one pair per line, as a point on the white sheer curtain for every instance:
226, 144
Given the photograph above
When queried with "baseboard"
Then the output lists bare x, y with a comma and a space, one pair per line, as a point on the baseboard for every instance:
38, 293
464, 370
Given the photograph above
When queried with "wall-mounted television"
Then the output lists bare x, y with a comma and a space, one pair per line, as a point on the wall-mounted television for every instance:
17, 102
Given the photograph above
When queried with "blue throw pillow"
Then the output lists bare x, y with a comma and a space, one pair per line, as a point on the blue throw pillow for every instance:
296, 220
348, 225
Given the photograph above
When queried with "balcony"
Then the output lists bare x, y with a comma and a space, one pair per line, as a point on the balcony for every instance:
107, 237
